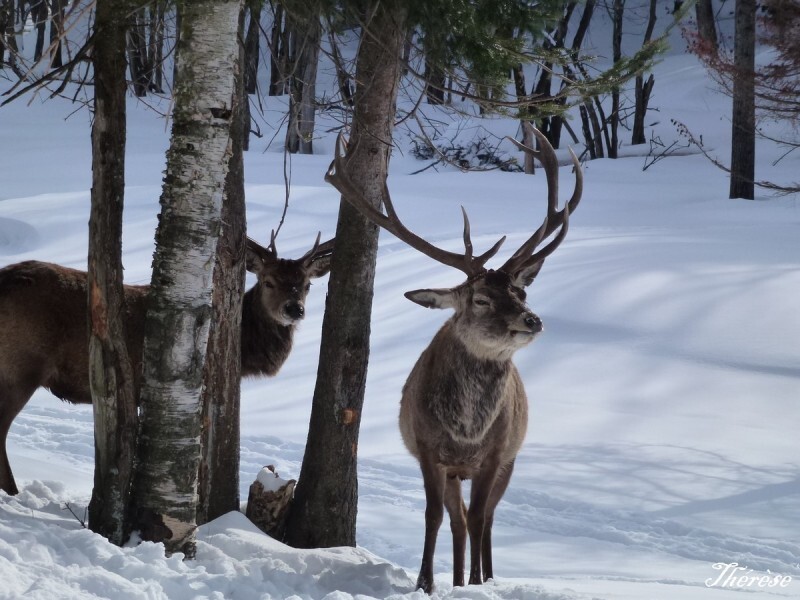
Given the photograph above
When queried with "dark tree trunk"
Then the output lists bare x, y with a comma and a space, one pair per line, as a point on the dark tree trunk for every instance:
743, 134
643, 88
342, 76
325, 505
617, 17
706, 25
543, 89
252, 46
278, 52
557, 121
305, 46
39, 17
56, 31
155, 46
219, 466
110, 371
137, 52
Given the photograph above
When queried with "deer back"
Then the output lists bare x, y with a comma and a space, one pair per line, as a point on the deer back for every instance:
45, 341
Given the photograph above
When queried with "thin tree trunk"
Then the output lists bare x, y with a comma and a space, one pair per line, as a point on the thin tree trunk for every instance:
278, 71
252, 46
39, 17
617, 14
706, 25
137, 52
179, 315
111, 377
643, 88
56, 32
155, 46
307, 37
743, 134
325, 505
219, 469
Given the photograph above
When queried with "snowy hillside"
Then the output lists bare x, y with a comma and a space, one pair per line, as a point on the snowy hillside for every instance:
663, 393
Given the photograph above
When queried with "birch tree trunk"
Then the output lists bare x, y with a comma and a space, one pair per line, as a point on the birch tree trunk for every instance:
110, 368
219, 470
179, 316
324, 510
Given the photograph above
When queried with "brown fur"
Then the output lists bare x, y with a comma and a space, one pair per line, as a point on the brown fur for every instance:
464, 413
44, 331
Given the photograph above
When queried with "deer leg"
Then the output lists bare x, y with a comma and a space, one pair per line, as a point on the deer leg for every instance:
11, 402
434, 478
482, 485
499, 488
454, 503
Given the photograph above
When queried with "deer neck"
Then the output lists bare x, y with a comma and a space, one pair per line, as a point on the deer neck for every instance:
469, 390
266, 343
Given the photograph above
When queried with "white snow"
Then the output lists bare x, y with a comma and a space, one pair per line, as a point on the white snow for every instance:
663, 393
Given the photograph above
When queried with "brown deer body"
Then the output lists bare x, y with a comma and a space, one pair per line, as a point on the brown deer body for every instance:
464, 412
44, 332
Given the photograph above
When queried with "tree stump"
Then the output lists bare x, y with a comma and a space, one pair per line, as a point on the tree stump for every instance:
269, 500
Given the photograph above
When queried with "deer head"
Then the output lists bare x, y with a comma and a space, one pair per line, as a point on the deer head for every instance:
283, 284
490, 305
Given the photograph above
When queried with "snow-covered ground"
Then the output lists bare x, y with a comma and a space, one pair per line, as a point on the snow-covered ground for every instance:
663, 394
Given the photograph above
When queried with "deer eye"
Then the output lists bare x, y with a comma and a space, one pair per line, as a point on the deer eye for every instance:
480, 301
269, 285
308, 286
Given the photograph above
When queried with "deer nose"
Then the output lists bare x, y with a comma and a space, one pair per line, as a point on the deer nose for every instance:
294, 310
534, 322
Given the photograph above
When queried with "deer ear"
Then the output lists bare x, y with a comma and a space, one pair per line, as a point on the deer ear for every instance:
319, 266
433, 298
253, 262
525, 276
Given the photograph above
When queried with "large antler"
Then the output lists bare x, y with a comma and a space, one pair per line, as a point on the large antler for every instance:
467, 263
525, 256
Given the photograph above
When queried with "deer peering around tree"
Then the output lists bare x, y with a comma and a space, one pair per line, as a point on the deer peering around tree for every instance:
464, 412
45, 335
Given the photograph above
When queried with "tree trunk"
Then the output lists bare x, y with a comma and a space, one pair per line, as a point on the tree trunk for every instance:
56, 32
706, 25
252, 46
137, 52
643, 88
179, 315
219, 468
111, 377
39, 17
325, 505
616, 16
305, 47
278, 68
743, 134
155, 46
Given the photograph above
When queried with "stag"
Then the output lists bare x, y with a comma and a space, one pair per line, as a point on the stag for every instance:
43, 320
464, 412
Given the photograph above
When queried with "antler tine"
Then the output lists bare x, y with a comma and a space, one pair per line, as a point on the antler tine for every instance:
466, 263
318, 250
554, 218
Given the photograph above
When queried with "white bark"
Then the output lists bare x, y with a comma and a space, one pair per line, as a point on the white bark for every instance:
179, 313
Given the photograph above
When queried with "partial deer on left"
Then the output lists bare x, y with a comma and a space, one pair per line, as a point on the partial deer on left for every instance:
44, 340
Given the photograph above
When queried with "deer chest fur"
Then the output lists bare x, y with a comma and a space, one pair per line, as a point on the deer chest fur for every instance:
464, 394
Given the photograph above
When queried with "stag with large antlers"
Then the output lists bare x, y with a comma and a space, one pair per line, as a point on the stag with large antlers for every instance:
44, 342
464, 412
